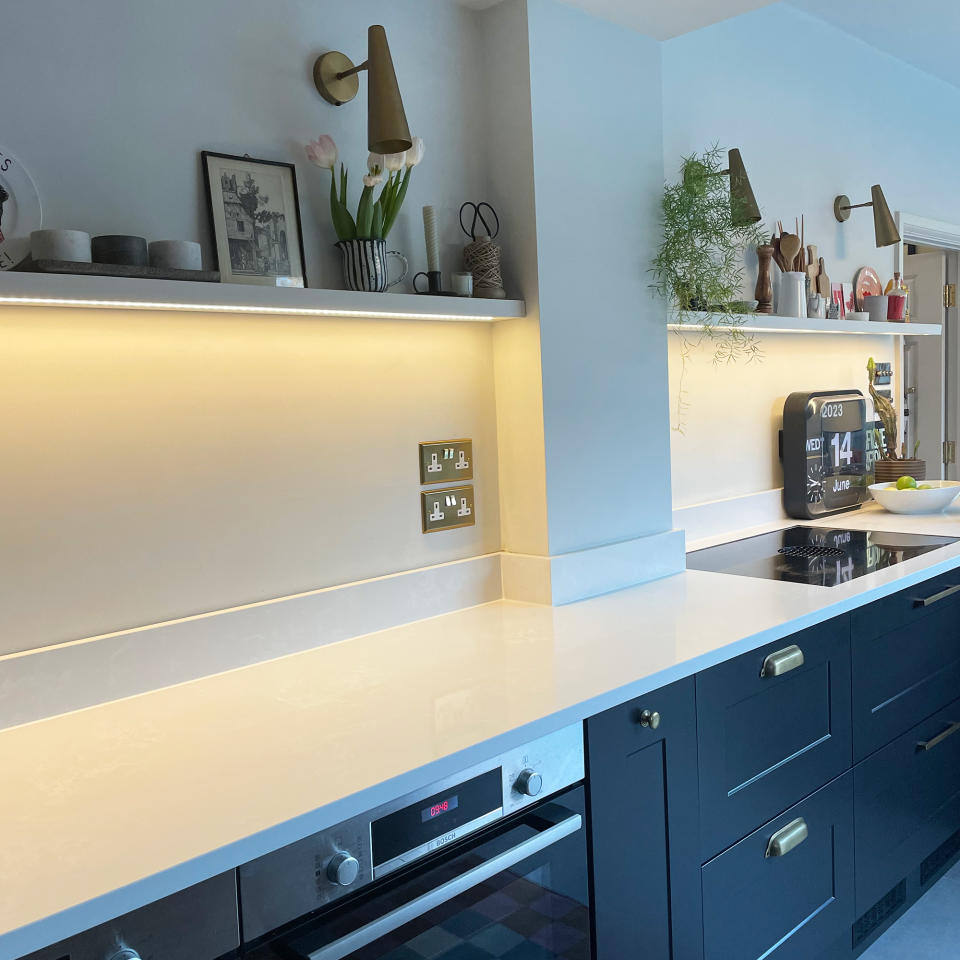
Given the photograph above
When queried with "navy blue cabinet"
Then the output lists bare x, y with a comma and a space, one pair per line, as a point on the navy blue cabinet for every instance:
785, 892
642, 773
773, 726
907, 804
906, 660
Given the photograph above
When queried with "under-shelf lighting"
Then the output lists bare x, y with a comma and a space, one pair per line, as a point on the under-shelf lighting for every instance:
874, 332
233, 308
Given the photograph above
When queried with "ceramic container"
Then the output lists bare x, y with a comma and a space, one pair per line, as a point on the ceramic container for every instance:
70, 245
365, 265
120, 249
858, 315
792, 301
176, 255
816, 307
938, 498
462, 284
877, 308
896, 307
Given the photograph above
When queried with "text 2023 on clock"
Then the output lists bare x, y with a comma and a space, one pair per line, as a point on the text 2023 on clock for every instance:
824, 453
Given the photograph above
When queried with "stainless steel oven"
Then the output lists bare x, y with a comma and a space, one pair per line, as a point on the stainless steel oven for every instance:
489, 863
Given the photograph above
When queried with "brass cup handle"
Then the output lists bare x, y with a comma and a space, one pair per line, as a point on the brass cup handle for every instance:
783, 661
787, 839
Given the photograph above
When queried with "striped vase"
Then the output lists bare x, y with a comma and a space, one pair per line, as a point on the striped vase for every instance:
365, 265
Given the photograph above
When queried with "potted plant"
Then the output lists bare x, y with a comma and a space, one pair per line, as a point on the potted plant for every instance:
891, 464
361, 238
698, 269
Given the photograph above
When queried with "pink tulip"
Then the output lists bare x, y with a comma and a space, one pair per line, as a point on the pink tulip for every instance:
322, 152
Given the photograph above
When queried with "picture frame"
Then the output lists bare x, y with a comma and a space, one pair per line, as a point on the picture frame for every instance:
254, 209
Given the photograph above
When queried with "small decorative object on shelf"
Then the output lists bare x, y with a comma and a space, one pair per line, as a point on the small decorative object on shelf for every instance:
20, 213
482, 257
891, 465
176, 255
431, 240
120, 249
255, 220
362, 238
72, 246
764, 288
897, 302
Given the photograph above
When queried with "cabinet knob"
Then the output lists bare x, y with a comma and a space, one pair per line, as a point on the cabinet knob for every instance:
343, 869
650, 718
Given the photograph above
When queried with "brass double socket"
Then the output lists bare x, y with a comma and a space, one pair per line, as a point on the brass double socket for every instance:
447, 509
446, 461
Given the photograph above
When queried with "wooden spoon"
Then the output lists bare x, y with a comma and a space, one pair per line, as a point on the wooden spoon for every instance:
789, 248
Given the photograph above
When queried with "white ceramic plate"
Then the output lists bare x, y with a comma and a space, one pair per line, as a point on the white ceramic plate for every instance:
21, 213
944, 492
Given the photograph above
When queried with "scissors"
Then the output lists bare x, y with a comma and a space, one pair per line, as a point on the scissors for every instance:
479, 218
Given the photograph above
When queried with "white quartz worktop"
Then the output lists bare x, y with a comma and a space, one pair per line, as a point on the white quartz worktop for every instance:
110, 807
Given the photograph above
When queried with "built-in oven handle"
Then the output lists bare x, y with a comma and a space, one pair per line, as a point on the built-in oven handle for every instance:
560, 823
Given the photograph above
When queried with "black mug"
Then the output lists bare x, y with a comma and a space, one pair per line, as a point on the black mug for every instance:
434, 282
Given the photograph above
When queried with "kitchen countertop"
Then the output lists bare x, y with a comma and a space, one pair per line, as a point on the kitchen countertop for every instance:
110, 807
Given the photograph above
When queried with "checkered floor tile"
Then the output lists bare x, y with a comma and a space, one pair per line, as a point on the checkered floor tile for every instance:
509, 918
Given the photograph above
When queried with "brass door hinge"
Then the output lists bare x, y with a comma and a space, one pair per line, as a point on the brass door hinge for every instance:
949, 294
949, 452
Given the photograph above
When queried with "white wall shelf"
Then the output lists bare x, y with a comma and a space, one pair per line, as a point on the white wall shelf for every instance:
119, 293
760, 323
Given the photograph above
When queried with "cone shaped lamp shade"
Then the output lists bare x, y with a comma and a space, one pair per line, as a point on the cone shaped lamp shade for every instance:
884, 225
387, 130
743, 204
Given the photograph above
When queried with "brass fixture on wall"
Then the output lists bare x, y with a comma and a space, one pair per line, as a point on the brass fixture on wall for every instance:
338, 82
884, 226
744, 209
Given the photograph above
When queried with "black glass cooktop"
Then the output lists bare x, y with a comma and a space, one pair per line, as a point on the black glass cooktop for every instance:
820, 556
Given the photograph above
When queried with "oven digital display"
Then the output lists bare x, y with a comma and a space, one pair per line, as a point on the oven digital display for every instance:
439, 817
439, 808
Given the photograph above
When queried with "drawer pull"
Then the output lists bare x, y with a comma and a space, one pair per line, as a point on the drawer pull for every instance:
787, 839
939, 738
936, 597
783, 661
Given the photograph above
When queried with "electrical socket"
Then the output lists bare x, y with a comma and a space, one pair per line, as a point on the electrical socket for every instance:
446, 461
447, 509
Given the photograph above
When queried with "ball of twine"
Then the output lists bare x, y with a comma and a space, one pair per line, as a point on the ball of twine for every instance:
482, 258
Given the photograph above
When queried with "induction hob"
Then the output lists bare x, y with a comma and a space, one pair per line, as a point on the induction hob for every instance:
820, 556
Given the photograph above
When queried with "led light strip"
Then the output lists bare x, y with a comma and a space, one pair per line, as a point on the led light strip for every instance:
246, 308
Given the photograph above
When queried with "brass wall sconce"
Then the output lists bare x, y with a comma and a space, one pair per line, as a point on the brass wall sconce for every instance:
743, 204
884, 226
338, 82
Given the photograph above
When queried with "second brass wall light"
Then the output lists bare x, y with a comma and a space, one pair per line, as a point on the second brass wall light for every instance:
884, 226
337, 79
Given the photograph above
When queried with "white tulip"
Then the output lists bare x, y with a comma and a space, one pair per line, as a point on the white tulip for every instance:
415, 154
375, 163
322, 152
392, 162
372, 179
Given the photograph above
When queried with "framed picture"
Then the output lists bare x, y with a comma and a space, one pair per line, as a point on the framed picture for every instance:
255, 219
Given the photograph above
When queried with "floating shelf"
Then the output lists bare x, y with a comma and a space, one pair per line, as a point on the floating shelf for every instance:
120, 293
762, 323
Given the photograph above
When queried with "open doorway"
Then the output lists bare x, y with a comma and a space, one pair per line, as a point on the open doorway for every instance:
930, 402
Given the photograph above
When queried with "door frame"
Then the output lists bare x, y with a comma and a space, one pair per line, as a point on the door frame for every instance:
934, 233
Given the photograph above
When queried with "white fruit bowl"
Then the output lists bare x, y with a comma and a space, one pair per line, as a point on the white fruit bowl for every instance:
935, 500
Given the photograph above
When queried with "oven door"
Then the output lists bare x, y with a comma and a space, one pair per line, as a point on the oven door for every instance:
516, 890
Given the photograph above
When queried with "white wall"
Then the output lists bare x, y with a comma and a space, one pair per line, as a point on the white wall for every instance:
596, 103
156, 466
753, 82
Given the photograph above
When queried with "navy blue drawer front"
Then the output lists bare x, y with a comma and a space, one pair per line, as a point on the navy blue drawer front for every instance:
790, 907
767, 741
907, 802
906, 661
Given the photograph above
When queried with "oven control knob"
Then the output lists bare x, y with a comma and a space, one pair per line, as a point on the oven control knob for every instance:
343, 869
529, 783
